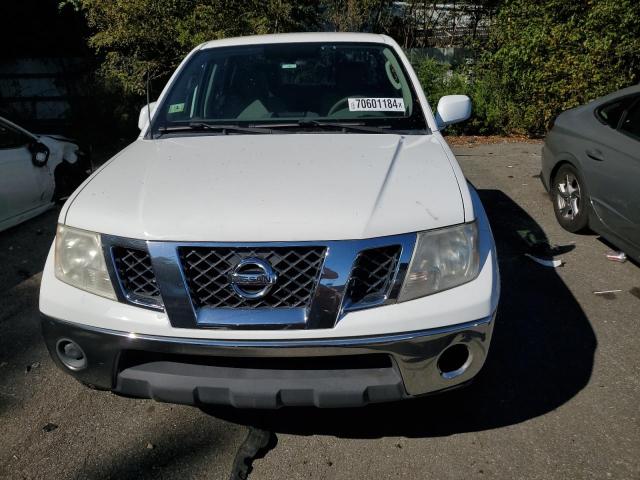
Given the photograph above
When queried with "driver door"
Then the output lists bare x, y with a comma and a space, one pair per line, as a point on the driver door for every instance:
612, 161
19, 187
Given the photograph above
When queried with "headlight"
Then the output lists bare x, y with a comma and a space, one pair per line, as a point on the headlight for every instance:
442, 259
79, 261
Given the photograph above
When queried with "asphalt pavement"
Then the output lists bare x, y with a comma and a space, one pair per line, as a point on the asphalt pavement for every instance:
558, 397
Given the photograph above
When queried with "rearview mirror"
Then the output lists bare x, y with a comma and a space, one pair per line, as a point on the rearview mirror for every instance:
39, 154
146, 112
453, 109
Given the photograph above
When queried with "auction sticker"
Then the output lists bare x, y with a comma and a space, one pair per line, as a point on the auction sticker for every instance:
376, 105
176, 108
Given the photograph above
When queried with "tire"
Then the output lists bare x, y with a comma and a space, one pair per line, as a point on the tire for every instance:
570, 199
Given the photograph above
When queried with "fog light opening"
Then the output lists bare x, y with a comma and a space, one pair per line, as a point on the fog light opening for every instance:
454, 361
70, 354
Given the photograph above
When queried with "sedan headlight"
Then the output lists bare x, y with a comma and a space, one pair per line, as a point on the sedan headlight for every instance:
79, 261
442, 259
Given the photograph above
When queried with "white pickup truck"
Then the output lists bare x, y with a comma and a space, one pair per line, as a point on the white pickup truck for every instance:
290, 228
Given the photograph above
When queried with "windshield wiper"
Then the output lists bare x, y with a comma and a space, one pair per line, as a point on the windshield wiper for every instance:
358, 127
345, 126
215, 127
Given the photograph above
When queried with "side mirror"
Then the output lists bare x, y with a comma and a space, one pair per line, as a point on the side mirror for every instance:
146, 112
39, 154
453, 109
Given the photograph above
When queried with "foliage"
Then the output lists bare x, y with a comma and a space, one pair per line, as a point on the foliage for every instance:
357, 15
133, 37
425, 23
548, 56
139, 36
439, 79
543, 58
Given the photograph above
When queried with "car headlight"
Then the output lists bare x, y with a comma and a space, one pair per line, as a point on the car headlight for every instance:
79, 261
442, 259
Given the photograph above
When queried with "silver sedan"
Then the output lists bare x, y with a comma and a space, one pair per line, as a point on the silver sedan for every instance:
591, 168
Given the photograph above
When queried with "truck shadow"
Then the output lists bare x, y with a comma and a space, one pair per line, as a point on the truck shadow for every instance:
541, 356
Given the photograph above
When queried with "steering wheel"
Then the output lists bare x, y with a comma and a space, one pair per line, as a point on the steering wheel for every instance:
339, 103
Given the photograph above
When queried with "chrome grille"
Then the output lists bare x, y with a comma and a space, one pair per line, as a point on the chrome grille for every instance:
136, 273
207, 269
372, 274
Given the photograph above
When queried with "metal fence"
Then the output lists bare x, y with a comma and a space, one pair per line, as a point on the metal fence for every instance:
40, 92
450, 55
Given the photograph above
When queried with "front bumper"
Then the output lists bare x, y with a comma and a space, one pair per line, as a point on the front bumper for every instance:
272, 373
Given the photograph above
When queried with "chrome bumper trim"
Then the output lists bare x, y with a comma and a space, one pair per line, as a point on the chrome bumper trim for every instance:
415, 353
284, 343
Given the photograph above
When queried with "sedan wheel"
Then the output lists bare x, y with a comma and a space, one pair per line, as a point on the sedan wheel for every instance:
570, 199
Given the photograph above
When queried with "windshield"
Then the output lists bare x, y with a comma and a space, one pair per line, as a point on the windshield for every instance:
308, 85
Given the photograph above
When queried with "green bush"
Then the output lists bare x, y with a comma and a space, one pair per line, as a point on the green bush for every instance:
440, 79
543, 58
551, 55
133, 37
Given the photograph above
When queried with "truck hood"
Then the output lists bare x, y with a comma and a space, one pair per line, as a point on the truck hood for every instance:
279, 187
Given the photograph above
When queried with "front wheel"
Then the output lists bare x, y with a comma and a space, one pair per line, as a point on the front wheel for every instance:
570, 199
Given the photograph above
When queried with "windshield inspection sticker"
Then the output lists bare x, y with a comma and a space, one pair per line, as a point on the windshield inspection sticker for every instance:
376, 105
176, 108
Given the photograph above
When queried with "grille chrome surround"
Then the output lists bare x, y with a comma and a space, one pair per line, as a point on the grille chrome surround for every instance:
319, 299
372, 276
207, 271
136, 276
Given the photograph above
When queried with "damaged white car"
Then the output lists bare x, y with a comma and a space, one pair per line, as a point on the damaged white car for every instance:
35, 172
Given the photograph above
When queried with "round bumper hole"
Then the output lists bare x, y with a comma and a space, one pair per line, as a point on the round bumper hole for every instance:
70, 354
454, 361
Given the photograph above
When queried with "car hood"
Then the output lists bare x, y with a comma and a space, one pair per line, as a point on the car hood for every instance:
279, 187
